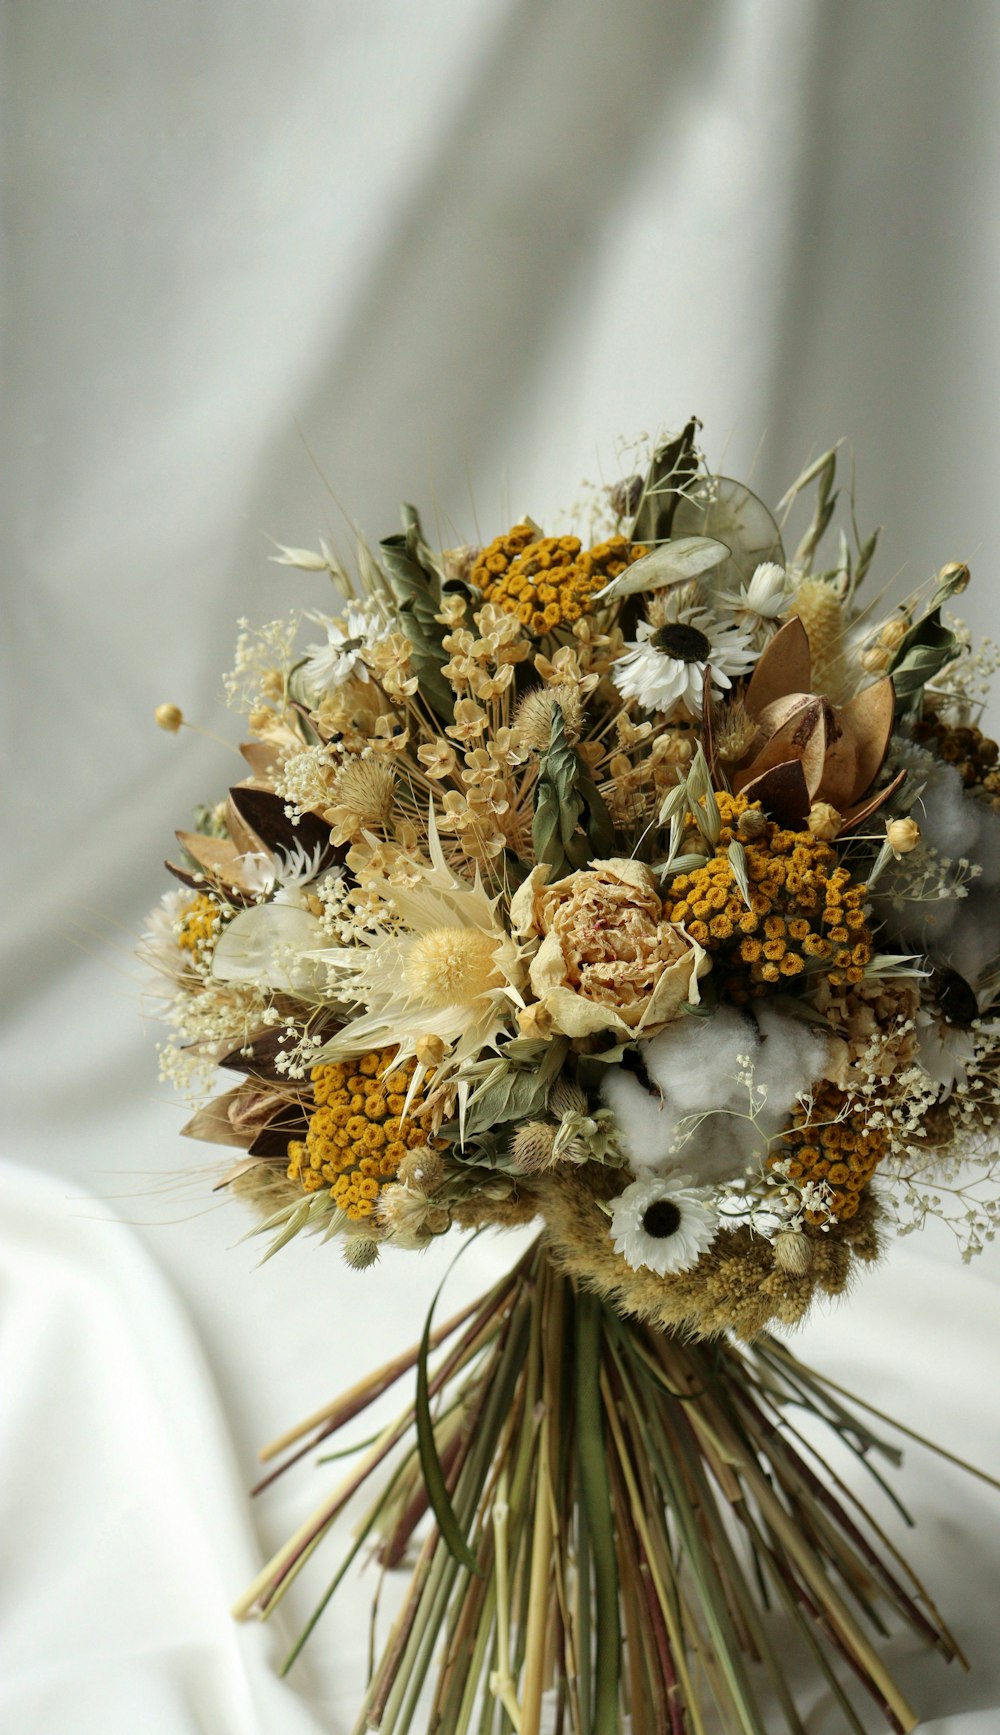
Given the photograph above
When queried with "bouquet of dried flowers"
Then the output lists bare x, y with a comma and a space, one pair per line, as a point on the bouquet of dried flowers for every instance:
641, 882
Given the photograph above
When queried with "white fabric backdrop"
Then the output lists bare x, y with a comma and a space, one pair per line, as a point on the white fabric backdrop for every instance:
268, 260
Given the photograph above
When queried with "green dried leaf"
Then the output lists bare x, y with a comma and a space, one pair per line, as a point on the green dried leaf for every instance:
571, 824
927, 648
674, 464
514, 1093
416, 591
430, 1463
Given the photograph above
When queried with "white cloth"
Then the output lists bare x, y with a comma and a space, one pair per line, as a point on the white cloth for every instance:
279, 263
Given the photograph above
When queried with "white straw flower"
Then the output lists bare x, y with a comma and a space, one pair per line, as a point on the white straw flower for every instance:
764, 598
663, 1223
665, 666
328, 666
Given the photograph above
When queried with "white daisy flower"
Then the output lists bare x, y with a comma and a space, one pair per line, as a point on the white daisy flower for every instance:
663, 1223
328, 666
665, 666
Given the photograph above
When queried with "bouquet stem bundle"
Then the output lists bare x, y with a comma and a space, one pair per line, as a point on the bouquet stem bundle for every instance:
614, 1529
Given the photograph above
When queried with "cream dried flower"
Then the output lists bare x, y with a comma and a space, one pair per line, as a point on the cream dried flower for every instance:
663, 1223
608, 959
362, 798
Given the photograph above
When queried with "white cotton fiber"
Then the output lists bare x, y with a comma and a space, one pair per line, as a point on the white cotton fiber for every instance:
958, 933
699, 1116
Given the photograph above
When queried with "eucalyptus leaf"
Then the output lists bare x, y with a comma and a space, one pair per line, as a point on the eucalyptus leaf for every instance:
674, 562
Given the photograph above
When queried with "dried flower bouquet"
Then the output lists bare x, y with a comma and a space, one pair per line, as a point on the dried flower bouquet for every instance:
642, 882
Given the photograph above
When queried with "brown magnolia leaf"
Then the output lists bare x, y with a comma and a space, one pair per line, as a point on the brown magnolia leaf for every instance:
185, 876
246, 841
257, 1056
802, 737
212, 1123
783, 794
862, 810
784, 667
264, 812
272, 1140
263, 759
219, 858
869, 718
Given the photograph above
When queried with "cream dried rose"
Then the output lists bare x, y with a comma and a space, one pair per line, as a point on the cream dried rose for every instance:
608, 960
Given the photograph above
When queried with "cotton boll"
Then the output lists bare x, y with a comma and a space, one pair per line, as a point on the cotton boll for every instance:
790, 1056
702, 1116
692, 1051
646, 1125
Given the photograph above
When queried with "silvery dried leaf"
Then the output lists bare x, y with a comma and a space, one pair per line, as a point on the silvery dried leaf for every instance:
675, 562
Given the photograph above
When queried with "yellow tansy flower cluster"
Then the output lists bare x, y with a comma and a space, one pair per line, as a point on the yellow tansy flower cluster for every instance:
830, 1142
804, 910
357, 1137
199, 925
548, 581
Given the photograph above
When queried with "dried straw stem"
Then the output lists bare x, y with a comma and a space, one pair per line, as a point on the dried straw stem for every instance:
613, 1522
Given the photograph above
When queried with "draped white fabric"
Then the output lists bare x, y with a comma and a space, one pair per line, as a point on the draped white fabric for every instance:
271, 263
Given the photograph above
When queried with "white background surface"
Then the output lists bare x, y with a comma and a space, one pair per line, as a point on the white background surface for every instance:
265, 260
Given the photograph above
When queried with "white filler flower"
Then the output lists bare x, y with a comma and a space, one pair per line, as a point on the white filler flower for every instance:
665, 666
663, 1222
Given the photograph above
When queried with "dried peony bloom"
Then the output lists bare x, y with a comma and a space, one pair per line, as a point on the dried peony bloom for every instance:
608, 959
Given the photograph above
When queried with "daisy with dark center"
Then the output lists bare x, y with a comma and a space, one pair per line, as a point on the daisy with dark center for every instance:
664, 666
663, 1223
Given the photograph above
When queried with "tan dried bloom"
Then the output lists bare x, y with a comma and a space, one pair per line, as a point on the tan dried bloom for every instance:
169, 717
363, 797
423, 1170
409, 1217
533, 718
902, 836
824, 821
566, 1097
608, 960
532, 1147
535, 1022
430, 1050
360, 1252
793, 1251
470, 721
734, 732
438, 759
